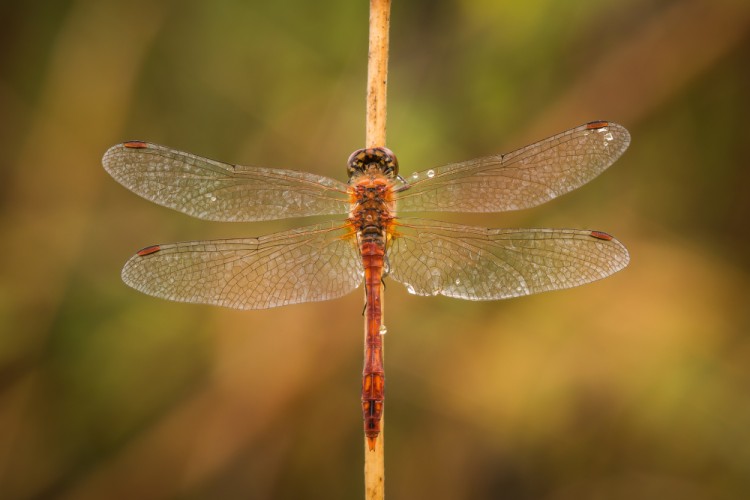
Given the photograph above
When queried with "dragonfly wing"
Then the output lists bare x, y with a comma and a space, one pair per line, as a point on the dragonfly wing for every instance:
218, 191
521, 179
302, 265
475, 263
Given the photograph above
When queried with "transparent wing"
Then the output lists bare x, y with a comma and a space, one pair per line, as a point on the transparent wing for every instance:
302, 265
521, 179
475, 263
212, 190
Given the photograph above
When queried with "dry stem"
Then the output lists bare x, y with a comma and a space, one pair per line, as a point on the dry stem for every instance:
377, 81
377, 72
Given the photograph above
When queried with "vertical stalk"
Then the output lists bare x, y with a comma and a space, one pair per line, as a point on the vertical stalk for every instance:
377, 72
377, 82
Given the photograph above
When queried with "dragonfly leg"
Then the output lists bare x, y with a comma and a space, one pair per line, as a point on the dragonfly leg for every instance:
403, 187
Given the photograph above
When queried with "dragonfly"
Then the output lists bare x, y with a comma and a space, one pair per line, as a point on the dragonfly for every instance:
367, 238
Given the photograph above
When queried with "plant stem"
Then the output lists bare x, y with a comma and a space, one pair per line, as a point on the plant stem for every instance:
377, 82
377, 72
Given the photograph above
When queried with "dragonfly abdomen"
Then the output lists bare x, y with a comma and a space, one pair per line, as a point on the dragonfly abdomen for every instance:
373, 376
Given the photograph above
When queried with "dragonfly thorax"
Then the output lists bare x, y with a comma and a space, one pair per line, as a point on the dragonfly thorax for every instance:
372, 160
372, 205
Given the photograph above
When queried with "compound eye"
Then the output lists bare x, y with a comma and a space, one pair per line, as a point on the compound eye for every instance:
383, 158
354, 163
390, 160
355, 158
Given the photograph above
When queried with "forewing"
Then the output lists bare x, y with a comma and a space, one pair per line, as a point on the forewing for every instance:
302, 265
521, 179
474, 263
218, 191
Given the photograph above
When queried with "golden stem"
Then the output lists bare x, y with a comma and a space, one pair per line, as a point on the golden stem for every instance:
377, 73
377, 82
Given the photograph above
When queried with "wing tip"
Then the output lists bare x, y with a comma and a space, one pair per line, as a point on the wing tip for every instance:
623, 258
112, 151
606, 125
106, 159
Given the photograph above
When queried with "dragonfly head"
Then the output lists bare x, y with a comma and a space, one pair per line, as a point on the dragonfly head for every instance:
380, 160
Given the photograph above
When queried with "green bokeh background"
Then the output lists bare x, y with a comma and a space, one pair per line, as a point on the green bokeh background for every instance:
633, 387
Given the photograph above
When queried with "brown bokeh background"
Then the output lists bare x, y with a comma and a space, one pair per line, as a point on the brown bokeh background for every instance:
634, 387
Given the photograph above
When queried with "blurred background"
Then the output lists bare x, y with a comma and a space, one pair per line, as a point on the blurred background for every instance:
632, 387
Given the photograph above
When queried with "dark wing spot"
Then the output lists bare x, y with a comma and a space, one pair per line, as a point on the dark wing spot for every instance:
148, 250
601, 236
